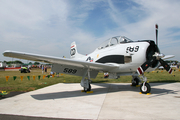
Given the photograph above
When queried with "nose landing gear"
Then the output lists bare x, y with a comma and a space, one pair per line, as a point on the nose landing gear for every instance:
145, 87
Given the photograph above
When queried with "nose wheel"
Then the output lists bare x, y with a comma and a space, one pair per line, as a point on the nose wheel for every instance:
145, 88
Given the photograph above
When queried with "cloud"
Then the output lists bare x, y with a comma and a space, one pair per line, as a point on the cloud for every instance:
149, 13
49, 27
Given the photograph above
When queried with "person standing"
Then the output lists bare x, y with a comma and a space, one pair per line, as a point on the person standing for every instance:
106, 75
45, 69
42, 69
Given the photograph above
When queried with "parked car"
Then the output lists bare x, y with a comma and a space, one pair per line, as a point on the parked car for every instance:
24, 70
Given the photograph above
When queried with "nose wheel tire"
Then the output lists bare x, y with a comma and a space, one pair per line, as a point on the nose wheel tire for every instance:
146, 88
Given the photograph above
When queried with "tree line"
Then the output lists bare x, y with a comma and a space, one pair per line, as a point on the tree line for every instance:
37, 63
20, 62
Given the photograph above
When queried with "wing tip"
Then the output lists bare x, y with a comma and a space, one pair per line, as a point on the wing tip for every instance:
6, 52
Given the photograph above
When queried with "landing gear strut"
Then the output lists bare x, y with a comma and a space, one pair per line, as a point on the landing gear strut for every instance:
145, 87
135, 80
85, 82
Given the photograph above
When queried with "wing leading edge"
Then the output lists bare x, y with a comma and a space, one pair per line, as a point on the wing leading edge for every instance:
59, 60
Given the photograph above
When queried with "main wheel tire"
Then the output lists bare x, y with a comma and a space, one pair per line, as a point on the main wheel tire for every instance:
135, 82
89, 89
145, 89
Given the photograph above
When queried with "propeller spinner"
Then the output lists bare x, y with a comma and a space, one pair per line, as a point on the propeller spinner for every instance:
156, 56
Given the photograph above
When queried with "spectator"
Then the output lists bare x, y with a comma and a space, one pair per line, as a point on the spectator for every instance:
42, 69
106, 75
45, 69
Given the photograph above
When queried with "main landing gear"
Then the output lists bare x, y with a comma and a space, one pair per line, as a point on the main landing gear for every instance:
144, 87
135, 80
86, 82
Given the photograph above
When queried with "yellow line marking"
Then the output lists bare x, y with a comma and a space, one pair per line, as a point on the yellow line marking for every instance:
89, 92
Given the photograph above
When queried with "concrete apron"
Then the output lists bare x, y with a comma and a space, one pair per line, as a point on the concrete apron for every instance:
108, 101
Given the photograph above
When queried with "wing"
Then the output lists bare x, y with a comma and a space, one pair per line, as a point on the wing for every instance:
59, 60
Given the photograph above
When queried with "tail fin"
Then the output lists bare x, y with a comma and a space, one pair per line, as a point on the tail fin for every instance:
73, 52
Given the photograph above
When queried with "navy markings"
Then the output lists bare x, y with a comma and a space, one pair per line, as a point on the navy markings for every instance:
68, 70
73, 51
132, 49
89, 59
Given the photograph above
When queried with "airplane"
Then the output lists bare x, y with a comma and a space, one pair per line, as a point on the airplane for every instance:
118, 56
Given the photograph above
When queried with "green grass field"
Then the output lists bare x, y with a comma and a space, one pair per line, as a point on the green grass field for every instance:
31, 84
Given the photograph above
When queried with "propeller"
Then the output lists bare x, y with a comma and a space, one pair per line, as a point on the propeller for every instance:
157, 56
156, 34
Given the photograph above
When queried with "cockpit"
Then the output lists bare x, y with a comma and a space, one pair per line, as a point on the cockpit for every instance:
114, 40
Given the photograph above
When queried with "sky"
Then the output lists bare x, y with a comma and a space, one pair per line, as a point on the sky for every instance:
48, 27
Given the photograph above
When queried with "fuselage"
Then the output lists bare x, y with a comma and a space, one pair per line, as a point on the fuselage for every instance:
127, 55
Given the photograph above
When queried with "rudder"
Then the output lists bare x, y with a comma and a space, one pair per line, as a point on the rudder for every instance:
73, 52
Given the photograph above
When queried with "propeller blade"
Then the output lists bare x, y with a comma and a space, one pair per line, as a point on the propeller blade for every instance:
156, 34
156, 57
166, 66
144, 67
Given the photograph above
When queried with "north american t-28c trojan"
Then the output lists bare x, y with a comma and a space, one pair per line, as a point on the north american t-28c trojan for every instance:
118, 56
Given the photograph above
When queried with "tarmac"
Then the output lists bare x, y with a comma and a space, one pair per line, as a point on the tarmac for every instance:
108, 101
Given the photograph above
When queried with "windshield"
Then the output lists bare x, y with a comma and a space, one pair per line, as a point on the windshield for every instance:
123, 39
114, 40
104, 44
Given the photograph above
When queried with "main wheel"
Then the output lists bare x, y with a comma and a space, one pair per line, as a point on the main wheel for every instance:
135, 82
146, 88
89, 89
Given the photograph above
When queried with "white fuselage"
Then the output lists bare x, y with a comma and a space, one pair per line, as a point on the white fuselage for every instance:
135, 51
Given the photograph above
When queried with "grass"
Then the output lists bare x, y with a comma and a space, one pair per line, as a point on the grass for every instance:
29, 85
163, 76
